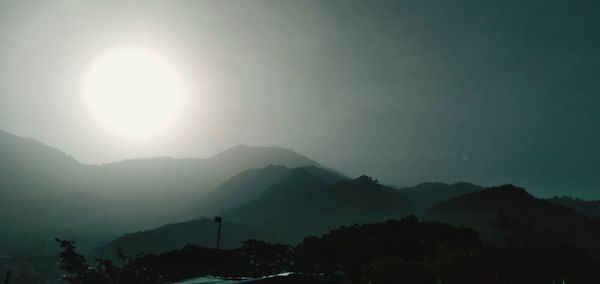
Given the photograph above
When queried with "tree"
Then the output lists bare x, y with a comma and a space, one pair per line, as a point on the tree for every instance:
73, 263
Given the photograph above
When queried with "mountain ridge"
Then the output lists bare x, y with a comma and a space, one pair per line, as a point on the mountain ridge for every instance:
51, 190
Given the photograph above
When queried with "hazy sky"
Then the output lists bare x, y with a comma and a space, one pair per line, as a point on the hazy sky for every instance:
407, 91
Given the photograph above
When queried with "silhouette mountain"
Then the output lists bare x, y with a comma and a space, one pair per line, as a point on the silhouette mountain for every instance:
200, 232
304, 200
293, 203
483, 210
267, 193
312, 201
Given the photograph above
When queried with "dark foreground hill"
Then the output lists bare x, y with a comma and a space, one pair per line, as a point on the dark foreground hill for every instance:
311, 200
395, 251
201, 232
491, 209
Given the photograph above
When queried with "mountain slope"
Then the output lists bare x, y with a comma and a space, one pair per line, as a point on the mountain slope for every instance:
154, 175
241, 188
29, 168
307, 203
201, 232
44, 192
482, 210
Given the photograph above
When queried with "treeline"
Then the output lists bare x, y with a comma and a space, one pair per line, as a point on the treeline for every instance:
398, 251
254, 258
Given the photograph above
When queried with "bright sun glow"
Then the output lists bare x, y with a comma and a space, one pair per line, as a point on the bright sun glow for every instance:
133, 91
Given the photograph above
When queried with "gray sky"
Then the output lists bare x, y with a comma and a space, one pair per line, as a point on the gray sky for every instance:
407, 91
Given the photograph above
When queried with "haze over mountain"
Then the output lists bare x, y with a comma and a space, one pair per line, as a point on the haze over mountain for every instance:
275, 189
247, 186
292, 203
52, 193
463, 121
265, 186
266, 193
311, 200
408, 91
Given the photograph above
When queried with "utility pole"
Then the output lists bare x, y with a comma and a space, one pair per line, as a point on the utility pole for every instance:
7, 277
219, 220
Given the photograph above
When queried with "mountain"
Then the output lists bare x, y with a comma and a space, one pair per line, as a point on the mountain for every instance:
240, 188
165, 190
312, 201
29, 168
249, 185
291, 203
154, 175
588, 208
45, 192
486, 209
244, 157
201, 232
39, 189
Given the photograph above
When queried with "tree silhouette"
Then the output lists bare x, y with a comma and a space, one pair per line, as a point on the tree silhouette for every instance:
73, 263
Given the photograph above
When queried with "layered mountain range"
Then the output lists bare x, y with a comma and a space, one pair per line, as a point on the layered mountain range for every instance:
267, 193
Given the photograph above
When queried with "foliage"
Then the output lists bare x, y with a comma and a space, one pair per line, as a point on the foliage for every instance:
397, 251
266, 258
409, 251
254, 258
72, 263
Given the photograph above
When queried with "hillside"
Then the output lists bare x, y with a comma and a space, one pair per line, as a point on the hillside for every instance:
29, 168
54, 195
201, 232
240, 188
292, 203
485, 210
306, 203
307, 200
155, 175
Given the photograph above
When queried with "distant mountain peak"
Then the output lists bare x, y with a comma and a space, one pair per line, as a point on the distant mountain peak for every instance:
365, 179
273, 154
31, 150
242, 148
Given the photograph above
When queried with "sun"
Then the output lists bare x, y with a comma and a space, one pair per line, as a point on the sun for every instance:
133, 91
